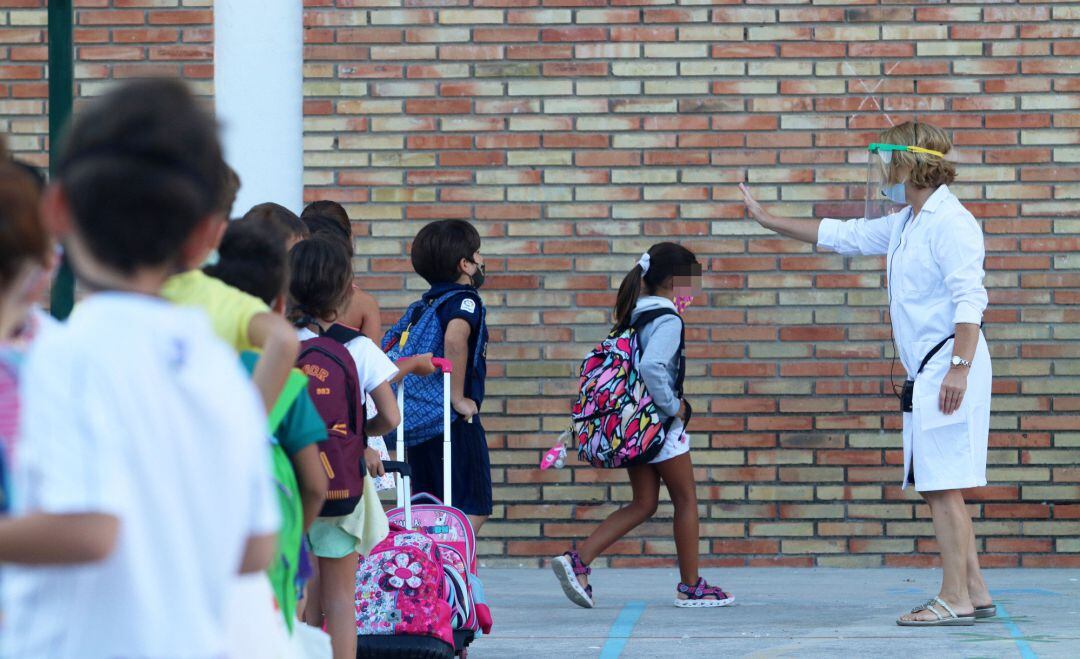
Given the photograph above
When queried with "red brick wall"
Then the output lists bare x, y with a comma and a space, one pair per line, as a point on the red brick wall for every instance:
575, 133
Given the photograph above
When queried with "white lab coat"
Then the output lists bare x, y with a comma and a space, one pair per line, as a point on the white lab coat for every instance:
935, 270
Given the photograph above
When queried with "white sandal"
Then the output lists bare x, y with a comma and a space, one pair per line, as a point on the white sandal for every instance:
948, 620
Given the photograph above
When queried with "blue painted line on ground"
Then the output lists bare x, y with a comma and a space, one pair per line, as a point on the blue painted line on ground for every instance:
1018, 636
621, 630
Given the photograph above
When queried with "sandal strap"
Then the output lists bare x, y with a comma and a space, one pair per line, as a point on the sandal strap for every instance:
579, 566
940, 602
937, 601
701, 590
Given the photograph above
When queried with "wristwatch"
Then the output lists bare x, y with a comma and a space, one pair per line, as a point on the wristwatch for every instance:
960, 362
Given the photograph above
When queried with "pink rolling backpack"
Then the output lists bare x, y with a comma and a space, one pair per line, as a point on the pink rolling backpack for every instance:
417, 592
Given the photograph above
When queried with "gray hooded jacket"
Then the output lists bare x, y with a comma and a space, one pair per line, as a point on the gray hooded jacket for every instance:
659, 365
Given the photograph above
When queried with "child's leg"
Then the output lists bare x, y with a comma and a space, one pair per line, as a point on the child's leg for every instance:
678, 475
645, 483
338, 591
313, 611
477, 521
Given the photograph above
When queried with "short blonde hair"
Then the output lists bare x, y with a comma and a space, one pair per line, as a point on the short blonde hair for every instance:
926, 170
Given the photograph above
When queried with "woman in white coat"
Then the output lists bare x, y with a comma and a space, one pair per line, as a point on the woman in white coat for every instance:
934, 258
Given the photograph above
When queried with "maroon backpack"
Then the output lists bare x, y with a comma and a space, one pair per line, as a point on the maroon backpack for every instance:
335, 388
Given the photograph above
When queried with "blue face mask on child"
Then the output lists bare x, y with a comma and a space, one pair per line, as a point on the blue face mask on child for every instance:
896, 194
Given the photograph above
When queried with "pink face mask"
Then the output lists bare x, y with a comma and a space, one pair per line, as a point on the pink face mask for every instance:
682, 302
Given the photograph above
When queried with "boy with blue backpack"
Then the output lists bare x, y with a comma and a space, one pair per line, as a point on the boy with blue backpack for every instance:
448, 321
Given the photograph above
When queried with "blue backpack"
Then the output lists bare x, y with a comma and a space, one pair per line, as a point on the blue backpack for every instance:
416, 333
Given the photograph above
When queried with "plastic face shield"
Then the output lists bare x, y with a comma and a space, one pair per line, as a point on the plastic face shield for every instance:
879, 170
883, 181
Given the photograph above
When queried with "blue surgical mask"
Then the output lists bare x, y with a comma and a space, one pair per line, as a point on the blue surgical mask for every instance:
896, 194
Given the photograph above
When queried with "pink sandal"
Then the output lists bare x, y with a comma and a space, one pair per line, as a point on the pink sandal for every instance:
567, 568
702, 595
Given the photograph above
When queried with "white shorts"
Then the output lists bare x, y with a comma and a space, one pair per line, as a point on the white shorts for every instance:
676, 444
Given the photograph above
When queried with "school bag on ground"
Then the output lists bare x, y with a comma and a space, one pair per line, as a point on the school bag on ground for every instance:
403, 594
335, 389
453, 534
418, 332
615, 421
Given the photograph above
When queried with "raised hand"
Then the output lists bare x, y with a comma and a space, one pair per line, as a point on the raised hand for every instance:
756, 211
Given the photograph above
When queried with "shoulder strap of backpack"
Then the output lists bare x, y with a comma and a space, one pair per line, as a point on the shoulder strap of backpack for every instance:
450, 295
341, 333
647, 317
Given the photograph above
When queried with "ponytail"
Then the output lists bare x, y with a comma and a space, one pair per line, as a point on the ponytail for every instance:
654, 269
629, 292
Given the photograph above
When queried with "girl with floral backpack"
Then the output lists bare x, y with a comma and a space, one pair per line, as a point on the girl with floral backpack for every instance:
631, 414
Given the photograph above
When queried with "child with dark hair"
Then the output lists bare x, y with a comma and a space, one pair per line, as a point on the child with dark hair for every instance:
328, 218
134, 406
241, 320
319, 288
447, 255
272, 213
331, 210
664, 278
24, 254
254, 260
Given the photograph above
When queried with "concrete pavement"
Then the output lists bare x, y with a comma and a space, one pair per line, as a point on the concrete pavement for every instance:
779, 612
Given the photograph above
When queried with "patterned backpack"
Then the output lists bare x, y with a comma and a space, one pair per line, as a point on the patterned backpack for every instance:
416, 333
615, 420
402, 590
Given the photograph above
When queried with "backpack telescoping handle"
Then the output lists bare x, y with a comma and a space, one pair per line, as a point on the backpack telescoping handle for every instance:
404, 472
446, 367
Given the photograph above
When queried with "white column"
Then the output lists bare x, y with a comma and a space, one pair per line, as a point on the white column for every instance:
259, 95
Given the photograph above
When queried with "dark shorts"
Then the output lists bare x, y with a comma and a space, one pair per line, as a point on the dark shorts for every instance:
470, 467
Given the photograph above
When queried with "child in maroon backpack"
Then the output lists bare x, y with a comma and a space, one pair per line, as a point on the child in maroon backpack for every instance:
665, 278
320, 286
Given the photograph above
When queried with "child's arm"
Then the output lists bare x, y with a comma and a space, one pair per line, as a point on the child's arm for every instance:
277, 339
457, 351
311, 477
416, 365
258, 552
388, 416
50, 539
664, 338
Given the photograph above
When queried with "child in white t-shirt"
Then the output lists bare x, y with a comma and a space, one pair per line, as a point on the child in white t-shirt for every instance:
320, 285
142, 476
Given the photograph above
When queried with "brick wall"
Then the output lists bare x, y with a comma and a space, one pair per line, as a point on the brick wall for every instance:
575, 133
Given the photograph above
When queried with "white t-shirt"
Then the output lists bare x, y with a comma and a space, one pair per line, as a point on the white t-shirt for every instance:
373, 367
135, 409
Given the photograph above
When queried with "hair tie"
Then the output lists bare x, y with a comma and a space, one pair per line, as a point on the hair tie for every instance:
644, 262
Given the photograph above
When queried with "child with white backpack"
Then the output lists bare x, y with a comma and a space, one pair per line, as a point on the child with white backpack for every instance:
631, 413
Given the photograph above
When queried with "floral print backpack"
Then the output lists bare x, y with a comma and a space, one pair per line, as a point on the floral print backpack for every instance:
401, 597
614, 419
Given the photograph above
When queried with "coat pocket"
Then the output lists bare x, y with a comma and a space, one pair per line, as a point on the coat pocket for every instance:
930, 415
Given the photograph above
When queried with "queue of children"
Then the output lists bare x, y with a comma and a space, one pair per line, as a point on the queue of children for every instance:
192, 429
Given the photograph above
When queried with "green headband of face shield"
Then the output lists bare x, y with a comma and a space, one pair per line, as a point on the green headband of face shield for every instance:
883, 194
877, 147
